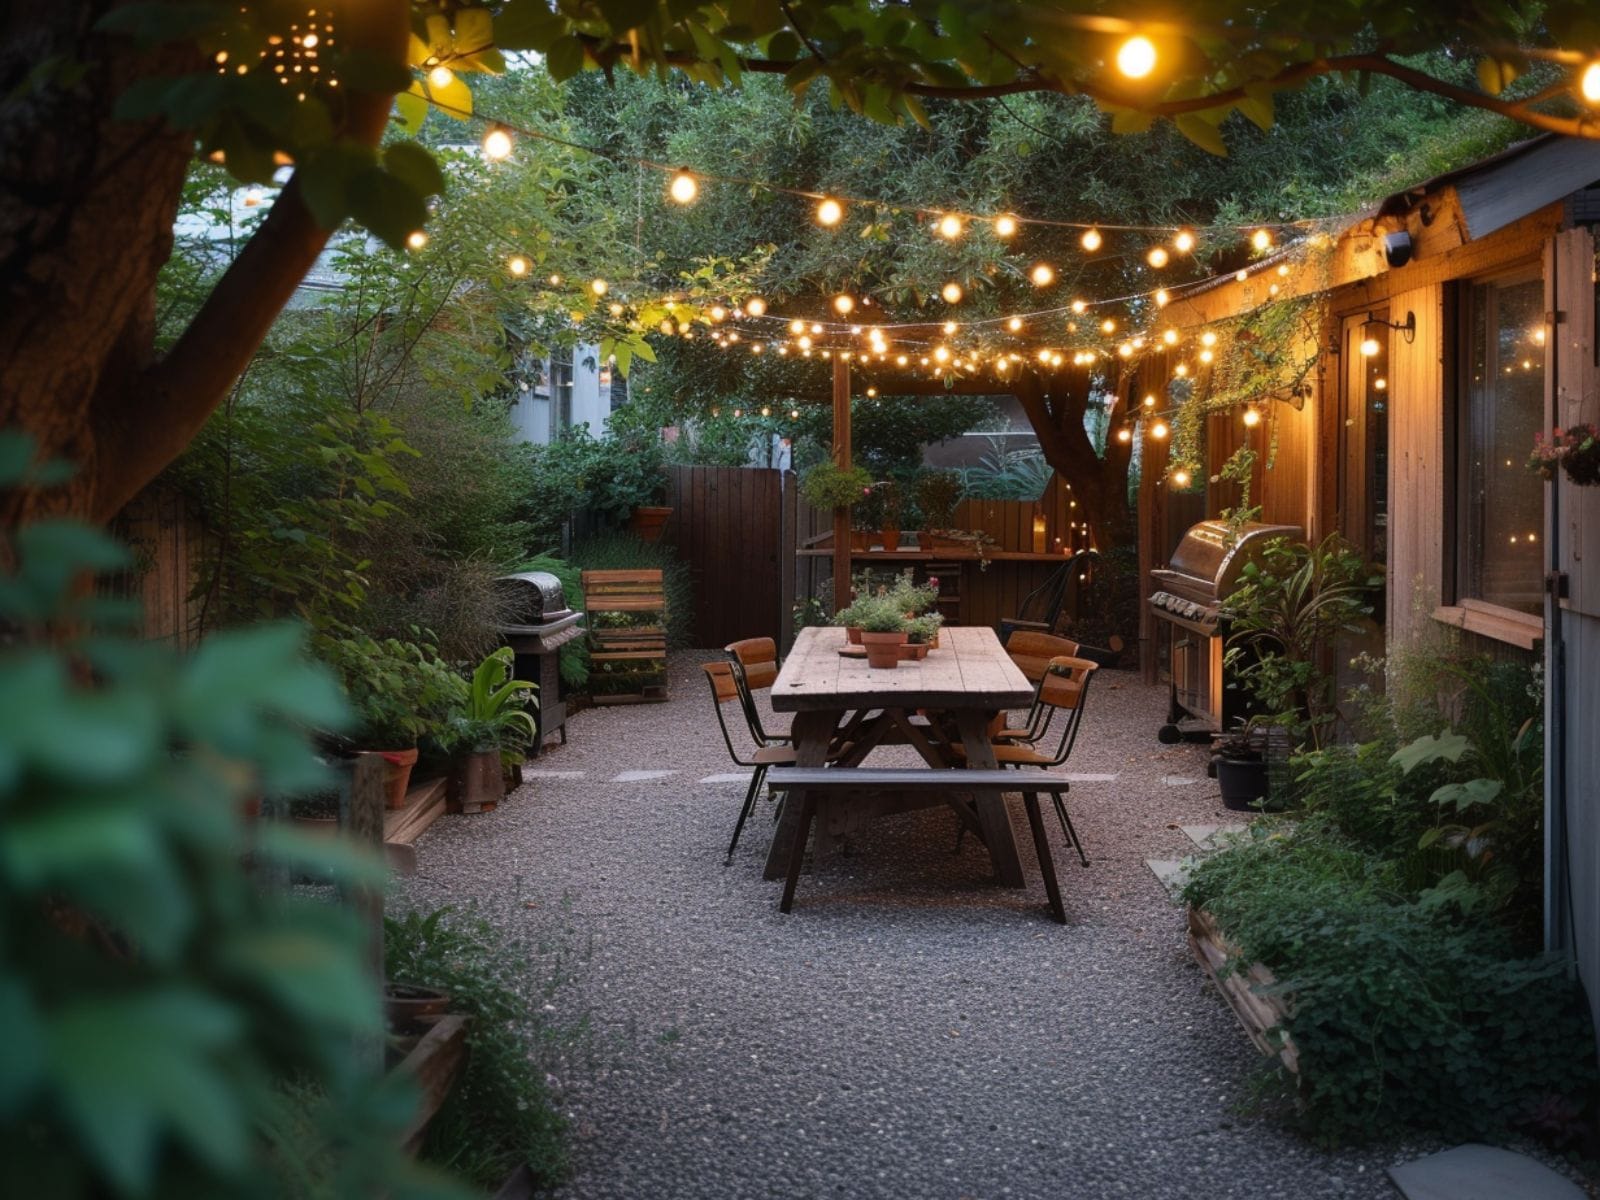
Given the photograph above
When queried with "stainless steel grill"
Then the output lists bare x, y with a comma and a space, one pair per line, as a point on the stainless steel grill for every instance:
540, 624
1203, 571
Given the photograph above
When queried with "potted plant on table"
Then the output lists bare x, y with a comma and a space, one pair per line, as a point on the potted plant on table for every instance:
492, 730
922, 635
883, 633
828, 486
401, 691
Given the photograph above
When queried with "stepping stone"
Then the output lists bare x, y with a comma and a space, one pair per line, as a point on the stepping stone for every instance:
536, 773
1210, 837
641, 776
1473, 1172
732, 777
1180, 780
1172, 873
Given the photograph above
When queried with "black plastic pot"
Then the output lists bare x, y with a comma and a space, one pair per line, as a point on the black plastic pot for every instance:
1243, 782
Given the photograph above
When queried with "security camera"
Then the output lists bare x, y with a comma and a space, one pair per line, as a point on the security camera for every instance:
1397, 249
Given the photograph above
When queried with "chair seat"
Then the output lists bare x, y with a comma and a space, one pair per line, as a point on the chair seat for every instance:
785, 756
1022, 756
1006, 735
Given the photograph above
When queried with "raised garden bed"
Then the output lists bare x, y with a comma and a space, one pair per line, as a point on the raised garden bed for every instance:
1261, 1015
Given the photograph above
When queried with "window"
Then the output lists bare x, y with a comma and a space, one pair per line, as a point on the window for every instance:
1364, 435
1500, 505
560, 396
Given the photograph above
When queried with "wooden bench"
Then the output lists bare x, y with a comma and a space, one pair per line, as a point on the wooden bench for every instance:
634, 651
812, 782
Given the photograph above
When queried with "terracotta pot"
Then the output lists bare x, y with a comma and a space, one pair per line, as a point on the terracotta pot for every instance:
924, 540
913, 651
407, 1005
891, 538
396, 775
476, 783
852, 634
883, 649
860, 539
647, 522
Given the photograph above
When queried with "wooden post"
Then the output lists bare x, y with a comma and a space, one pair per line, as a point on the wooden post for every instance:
364, 825
841, 455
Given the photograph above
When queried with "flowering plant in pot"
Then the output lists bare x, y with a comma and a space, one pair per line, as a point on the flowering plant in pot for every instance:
922, 635
1576, 450
883, 632
492, 730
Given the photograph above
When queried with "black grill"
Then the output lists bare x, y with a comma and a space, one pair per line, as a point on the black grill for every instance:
538, 624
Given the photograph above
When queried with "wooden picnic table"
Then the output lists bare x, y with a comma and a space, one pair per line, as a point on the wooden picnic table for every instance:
963, 683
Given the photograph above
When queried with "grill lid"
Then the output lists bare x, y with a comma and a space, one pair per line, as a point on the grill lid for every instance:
533, 598
1207, 564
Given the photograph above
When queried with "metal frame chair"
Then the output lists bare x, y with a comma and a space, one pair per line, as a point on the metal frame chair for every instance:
1032, 652
757, 659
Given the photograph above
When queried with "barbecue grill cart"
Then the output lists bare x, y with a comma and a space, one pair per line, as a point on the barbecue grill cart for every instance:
1203, 571
542, 624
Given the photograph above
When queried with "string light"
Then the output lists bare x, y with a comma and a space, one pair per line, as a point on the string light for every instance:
599, 287
829, 212
794, 414
1149, 400
1241, 275
1589, 83
555, 281
1136, 57
1005, 226
1370, 347
1092, 240
1079, 306
1159, 431
497, 143
416, 239
683, 188
1180, 478
440, 77
1252, 416
797, 326
1206, 356
949, 227
717, 313
755, 306
1170, 337
1261, 239
1043, 275
950, 328
1014, 324
518, 265
1208, 338
1108, 326
872, 392
951, 292
1124, 435
1184, 241
1157, 257
844, 304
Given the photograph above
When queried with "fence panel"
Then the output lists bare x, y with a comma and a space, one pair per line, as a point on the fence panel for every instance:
727, 524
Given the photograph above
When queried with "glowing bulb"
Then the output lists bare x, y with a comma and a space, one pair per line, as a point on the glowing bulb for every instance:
843, 303
1014, 324
830, 212
1108, 326
1136, 57
900, 360
794, 414
1162, 299
599, 287
738, 412
940, 354
1043, 275
1092, 240
755, 306
797, 326
616, 311
871, 391
1208, 338
1149, 400
1183, 242
518, 265
1170, 337
497, 144
951, 292
1252, 417
1589, 83
1241, 275
1261, 239
1159, 430
441, 77
805, 341
1181, 370
1005, 227
555, 281
1370, 347
417, 239
683, 188
1180, 478
252, 197
1126, 349
1078, 306
766, 410
949, 328
1157, 257
717, 313
1207, 355
1124, 435
949, 227
815, 327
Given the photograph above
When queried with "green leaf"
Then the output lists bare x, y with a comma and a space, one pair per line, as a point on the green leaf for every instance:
1202, 133
411, 109
528, 26
1131, 120
386, 205
152, 24
416, 167
369, 71
1448, 746
564, 59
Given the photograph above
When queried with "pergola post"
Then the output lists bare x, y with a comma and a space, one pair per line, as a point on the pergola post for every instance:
841, 456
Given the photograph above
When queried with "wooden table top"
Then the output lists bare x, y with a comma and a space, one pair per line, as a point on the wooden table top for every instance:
970, 669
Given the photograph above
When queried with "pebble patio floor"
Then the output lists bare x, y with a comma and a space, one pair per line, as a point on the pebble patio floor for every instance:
909, 1031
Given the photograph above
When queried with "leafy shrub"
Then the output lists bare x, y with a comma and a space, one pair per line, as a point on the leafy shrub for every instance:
401, 691
166, 1006
609, 476
828, 485
500, 1114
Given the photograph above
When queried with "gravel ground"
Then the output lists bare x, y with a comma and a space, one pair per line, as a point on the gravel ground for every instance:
909, 1031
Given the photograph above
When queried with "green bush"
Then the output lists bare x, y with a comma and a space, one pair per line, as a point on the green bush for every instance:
500, 1113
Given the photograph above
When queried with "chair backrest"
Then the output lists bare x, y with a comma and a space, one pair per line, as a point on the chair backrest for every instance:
1032, 652
759, 658
747, 700
1065, 683
724, 687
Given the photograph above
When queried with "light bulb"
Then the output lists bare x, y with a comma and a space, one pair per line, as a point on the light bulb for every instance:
794, 414
497, 144
1180, 478
416, 239
1261, 239
756, 347
1108, 326
872, 391
843, 303
1589, 83
1183, 242
1181, 370
1208, 338
1252, 417
1092, 240
1370, 347
1162, 299
718, 313
766, 410
1159, 430
1206, 356
940, 354
599, 287
555, 281
1149, 400
1241, 275
1078, 306
616, 311
518, 265
755, 306
1126, 349
805, 341
797, 326
949, 328
949, 227
1136, 57
1014, 324
1124, 435
441, 77
683, 188
1043, 275
951, 292
1005, 227
1157, 257
816, 327
1170, 337
829, 212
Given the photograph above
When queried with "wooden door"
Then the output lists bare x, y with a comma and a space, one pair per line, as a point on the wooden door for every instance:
728, 525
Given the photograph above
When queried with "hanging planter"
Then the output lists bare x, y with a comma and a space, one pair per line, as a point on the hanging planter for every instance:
1576, 450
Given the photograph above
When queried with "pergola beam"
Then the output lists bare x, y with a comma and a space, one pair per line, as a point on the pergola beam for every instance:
841, 456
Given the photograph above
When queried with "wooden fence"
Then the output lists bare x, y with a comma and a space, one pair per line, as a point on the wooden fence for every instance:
166, 541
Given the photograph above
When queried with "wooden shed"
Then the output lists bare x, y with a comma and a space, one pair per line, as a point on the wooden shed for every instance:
1439, 355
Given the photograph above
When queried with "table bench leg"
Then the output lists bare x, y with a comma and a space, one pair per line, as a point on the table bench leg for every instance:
797, 850
1041, 846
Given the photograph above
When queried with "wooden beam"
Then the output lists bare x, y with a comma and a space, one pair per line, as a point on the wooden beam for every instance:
841, 455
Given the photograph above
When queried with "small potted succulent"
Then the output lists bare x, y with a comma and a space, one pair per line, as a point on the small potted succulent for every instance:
492, 729
883, 633
922, 635
1239, 758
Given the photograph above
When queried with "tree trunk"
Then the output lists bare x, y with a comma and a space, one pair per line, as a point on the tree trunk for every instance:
87, 205
1056, 403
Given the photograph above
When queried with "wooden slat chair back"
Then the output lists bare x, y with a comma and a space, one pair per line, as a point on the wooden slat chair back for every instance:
1032, 651
759, 658
631, 647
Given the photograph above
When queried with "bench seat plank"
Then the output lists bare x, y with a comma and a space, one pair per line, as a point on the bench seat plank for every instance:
886, 779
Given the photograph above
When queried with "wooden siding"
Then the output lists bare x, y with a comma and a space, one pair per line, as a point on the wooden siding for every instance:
165, 540
1418, 469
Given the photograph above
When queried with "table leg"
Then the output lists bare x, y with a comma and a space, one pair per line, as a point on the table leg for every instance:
813, 730
992, 813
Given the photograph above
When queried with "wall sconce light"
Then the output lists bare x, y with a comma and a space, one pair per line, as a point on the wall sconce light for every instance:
1397, 248
1407, 329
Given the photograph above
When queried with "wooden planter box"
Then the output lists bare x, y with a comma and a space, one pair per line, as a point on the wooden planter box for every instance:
1257, 1013
433, 1065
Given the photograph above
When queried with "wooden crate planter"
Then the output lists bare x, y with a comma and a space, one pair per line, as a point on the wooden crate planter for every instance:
627, 614
1256, 1012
